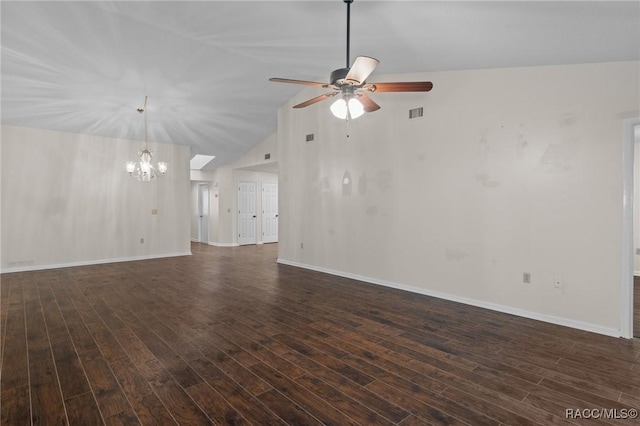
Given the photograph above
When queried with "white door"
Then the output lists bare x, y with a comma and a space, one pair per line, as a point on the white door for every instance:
269, 212
247, 221
203, 213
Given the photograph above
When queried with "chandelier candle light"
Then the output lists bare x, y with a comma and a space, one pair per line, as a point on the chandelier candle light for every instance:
143, 170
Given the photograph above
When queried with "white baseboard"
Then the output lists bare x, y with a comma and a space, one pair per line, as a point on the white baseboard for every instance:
90, 262
567, 322
211, 243
195, 240
636, 273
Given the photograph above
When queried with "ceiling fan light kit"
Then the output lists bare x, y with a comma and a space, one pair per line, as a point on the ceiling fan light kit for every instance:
347, 107
350, 83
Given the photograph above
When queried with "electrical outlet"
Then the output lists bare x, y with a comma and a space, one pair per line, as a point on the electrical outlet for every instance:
302, 245
557, 283
526, 277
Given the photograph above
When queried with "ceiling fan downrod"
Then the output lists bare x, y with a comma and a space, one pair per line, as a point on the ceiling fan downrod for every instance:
348, 2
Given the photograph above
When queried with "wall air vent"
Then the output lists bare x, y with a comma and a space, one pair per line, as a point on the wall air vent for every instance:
416, 113
310, 137
267, 156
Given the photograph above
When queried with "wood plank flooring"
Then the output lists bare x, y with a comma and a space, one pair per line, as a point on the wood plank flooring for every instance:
228, 336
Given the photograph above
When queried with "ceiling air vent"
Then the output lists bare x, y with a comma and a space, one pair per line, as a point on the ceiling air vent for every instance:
416, 113
310, 137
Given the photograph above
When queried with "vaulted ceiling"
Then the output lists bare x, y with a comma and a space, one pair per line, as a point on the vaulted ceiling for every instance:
84, 67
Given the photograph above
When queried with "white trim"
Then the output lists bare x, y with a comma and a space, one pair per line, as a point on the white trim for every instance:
211, 243
636, 273
200, 188
626, 246
259, 242
91, 262
195, 240
467, 301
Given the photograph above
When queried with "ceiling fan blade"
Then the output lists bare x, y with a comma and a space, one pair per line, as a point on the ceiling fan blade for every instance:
408, 86
368, 103
315, 100
306, 83
362, 68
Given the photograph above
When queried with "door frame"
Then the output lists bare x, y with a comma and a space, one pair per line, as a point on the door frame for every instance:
201, 188
627, 249
262, 219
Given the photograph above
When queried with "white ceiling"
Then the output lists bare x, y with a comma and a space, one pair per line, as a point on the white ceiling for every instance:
84, 67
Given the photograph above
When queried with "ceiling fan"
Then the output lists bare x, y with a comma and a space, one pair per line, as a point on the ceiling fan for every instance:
350, 83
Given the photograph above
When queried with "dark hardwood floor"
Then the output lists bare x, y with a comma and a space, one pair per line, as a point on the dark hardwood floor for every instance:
227, 336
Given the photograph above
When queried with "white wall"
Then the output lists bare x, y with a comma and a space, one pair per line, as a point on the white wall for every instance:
67, 199
636, 202
509, 171
256, 156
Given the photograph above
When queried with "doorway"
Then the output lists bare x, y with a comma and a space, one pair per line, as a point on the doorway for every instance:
269, 212
247, 213
203, 213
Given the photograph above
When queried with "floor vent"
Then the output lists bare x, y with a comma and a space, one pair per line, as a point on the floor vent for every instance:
416, 113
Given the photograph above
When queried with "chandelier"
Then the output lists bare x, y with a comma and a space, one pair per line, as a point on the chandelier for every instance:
143, 170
